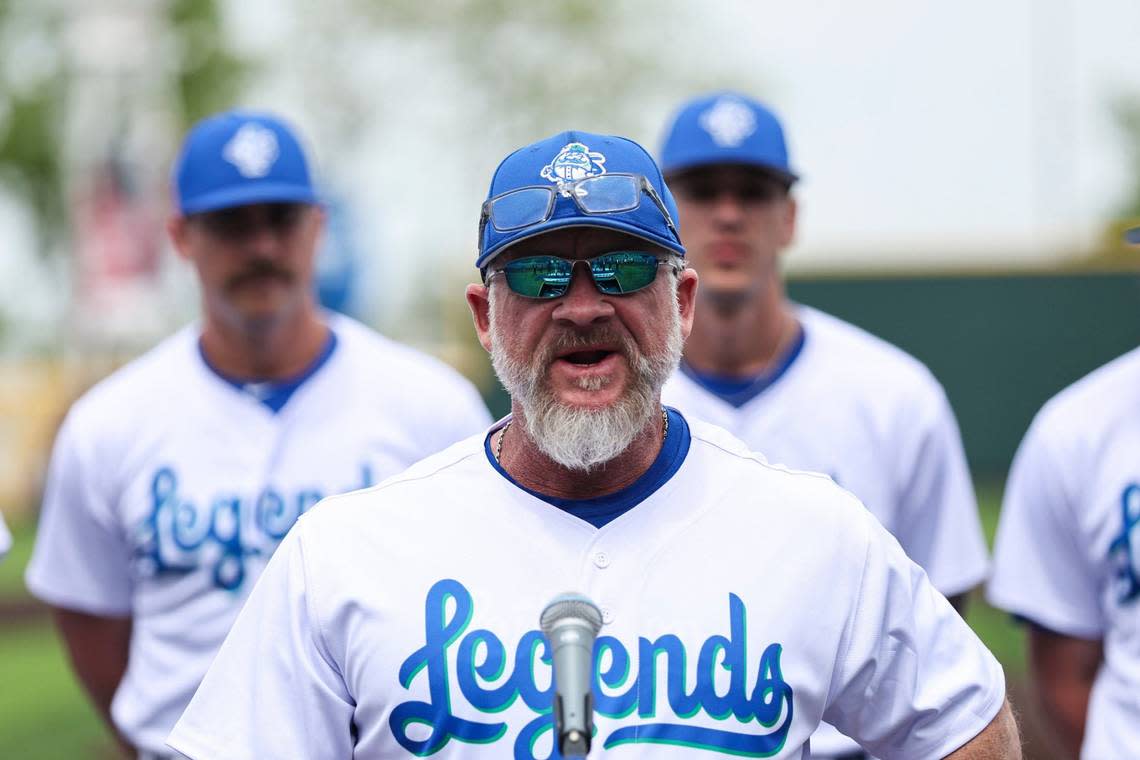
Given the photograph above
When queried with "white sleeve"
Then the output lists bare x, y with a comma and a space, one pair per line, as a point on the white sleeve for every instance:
81, 559
274, 690
5, 538
1040, 571
457, 412
912, 680
938, 522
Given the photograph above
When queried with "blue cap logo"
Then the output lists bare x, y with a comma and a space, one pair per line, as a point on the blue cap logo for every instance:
574, 161
252, 150
728, 122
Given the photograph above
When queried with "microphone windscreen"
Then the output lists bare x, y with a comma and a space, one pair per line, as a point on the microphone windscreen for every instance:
570, 606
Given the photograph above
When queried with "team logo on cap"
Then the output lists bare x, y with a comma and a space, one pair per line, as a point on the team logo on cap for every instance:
253, 150
575, 161
728, 122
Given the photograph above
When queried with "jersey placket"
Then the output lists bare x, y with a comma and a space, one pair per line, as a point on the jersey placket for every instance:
613, 562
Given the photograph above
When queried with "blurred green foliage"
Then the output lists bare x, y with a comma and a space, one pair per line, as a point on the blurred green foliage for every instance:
37, 74
209, 76
31, 104
574, 63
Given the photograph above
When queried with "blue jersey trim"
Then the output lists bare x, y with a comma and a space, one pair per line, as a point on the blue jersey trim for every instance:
274, 394
739, 391
604, 509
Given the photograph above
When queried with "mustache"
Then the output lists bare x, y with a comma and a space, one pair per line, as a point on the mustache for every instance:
259, 269
574, 340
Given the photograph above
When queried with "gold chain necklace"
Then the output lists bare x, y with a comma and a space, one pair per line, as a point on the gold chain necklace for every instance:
503, 434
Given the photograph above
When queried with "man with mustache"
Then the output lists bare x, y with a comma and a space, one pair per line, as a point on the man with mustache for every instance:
803, 387
173, 480
400, 620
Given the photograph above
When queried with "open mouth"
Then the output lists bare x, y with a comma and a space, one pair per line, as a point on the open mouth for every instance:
586, 358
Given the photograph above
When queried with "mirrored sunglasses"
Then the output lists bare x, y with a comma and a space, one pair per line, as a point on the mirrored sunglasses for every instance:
615, 273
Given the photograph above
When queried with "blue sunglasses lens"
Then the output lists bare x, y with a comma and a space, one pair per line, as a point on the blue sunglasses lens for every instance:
614, 273
539, 276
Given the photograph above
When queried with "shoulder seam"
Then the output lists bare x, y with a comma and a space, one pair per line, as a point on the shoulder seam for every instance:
752, 457
403, 477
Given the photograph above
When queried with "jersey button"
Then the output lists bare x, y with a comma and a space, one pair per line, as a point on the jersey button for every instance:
607, 616
602, 560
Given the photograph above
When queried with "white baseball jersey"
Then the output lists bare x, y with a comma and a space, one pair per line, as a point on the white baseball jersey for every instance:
742, 603
1067, 554
5, 538
169, 488
873, 418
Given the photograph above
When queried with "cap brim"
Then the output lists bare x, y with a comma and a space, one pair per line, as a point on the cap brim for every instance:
269, 192
601, 222
676, 170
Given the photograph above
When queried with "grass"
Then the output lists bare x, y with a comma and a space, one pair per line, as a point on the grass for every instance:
43, 713
47, 715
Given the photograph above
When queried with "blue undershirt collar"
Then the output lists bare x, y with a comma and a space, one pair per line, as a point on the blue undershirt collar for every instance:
738, 391
274, 394
601, 510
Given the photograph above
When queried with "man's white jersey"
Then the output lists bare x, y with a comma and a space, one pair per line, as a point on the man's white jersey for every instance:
1067, 554
169, 489
873, 418
742, 603
5, 538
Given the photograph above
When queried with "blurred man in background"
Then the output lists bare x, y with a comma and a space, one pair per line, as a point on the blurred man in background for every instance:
1067, 558
172, 482
802, 387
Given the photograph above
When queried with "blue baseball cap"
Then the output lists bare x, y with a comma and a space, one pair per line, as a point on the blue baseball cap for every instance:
1132, 236
237, 158
574, 155
726, 128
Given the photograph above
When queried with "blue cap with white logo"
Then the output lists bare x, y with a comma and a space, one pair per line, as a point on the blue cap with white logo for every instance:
577, 179
237, 158
726, 128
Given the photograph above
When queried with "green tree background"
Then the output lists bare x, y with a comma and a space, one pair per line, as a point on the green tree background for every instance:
34, 96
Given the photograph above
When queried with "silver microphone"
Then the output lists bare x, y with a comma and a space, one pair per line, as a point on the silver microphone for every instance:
570, 622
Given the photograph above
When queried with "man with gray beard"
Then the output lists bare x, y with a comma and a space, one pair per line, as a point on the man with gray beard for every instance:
740, 603
583, 438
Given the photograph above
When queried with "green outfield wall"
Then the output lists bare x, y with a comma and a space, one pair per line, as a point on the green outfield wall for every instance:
1000, 344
